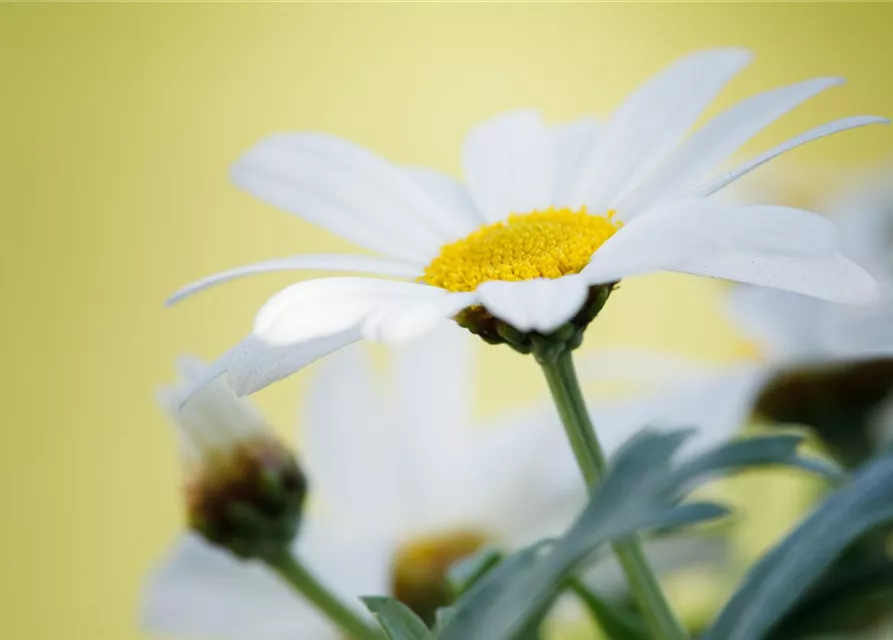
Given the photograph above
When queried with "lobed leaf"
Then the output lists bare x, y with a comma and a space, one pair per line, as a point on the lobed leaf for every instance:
642, 490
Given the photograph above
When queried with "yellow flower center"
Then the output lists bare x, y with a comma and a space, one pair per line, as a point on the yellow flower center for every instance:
540, 244
419, 569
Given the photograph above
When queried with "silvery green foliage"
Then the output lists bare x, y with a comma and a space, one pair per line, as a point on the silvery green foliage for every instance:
618, 622
784, 575
464, 574
643, 489
396, 619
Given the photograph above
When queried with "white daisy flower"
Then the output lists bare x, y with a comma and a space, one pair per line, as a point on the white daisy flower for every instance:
402, 484
545, 216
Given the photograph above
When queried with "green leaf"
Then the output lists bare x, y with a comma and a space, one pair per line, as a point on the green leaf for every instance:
854, 596
396, 619
483, 594
759, 451
642, 490
441, 617
786, 574
462, 575
618, 622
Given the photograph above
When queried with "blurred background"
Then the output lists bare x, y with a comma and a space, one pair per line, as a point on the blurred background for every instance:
118, 126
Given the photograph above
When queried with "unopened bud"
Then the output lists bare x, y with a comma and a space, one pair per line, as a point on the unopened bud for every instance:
839, 401
244, 488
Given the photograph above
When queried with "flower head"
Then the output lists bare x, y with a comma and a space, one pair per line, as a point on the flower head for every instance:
819, 364
405, 484
547, 218
244, 489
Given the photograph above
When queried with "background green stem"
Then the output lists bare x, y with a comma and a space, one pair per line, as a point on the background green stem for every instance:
643, 583
299, 577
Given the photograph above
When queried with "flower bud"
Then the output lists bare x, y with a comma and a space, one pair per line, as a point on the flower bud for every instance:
839, 401
244, 488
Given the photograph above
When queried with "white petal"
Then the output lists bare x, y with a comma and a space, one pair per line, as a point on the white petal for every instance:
405, 320
431, 399
434, 380
788, 325
831, 277
716, 140
813, 134
540, 305
317, 308
208, 416
861, 331
863, 211
570, 142
200, 591
327, 262
450, 192
718, 403
682, 232
349, 191
523, 477
254, 364
508, 165
637, 366
349, 447
351, 562
651, 122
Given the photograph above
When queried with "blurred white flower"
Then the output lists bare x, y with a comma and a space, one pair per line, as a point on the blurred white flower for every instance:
795, 328
815, 358
402, 484
545, 214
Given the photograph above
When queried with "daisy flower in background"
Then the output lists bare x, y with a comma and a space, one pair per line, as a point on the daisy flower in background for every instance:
828, 366
403, 485
547, 220
819, 364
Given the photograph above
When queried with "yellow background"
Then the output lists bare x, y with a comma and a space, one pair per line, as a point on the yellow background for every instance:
118, 124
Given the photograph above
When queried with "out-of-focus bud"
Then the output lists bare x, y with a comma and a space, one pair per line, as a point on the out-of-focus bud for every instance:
840, 401
244, 488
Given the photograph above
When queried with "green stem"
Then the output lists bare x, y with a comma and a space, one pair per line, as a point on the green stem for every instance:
299, 577
565, 388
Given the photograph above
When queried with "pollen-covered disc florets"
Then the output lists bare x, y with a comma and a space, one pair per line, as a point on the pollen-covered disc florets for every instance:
540, 244
419, 569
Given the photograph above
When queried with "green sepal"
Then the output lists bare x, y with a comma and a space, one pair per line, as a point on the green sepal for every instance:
545, 347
